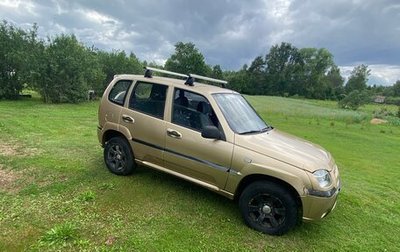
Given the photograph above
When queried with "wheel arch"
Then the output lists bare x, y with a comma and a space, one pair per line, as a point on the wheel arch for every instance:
249, 179
110, 134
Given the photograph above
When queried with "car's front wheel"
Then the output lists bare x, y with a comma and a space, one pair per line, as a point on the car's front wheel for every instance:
268, 207
118, 156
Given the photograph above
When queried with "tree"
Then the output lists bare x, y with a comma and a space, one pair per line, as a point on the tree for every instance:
354, 100
282, 65
316, 63
358, 79
187, 59
334, 83
17, 59
238, 80
256, 83
396, 88
94, 74
117, 62
217, 72
65, 72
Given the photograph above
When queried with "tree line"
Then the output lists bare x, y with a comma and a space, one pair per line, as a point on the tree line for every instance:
62, 69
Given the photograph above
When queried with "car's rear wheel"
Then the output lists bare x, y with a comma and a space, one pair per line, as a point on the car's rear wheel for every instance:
268, 207
118, 156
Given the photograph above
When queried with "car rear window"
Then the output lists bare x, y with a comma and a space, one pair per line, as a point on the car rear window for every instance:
118, 92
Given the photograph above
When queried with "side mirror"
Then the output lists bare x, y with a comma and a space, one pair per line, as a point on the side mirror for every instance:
211, 132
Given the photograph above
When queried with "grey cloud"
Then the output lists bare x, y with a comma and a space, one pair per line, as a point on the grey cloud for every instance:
228, 32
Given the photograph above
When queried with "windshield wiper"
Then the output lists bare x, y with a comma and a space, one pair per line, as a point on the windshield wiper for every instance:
257, 131
268, 128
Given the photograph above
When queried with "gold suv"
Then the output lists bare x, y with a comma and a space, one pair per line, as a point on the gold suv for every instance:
213, 137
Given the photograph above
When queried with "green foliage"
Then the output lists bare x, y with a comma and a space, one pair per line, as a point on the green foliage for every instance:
393, 100
334, 83
313, 81
63, 70
396, 88
238, 80
283, 64
287, 71
187, 59
66, 67
255, 83
117, 62
358, 79
354, 100
217, 72
17, 54
60, 233
87, 196
382, 113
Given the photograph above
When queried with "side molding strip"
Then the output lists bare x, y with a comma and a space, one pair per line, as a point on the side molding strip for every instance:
211, 164
196, 181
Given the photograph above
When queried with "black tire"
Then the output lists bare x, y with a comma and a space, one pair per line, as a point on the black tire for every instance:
118, 156
268, 207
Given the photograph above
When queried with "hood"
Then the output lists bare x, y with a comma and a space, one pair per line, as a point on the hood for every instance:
287, 148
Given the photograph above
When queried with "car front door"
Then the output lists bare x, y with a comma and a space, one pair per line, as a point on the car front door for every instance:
186, 151
144, 117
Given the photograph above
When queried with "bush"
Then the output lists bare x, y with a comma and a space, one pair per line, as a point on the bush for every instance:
393, 100
398, 111
382, 113
354, 100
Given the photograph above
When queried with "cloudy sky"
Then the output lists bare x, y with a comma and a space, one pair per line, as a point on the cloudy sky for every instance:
228, 32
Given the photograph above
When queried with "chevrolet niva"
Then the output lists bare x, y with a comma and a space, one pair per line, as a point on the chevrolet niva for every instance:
212, 136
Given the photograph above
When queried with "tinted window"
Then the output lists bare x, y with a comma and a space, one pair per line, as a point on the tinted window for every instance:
192, 110
118, 92
149, 98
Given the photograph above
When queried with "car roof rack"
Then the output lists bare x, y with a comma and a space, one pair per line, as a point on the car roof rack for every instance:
149, 72
196, 76
190, 79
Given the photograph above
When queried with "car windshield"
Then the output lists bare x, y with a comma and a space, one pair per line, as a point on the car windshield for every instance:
240, 115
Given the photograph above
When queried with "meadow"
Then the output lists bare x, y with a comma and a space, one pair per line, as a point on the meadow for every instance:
57, 195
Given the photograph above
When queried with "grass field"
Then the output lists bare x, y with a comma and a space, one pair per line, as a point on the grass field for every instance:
56, 193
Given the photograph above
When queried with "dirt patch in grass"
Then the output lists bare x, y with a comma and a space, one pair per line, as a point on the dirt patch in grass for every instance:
16, 149
377, 121
7, 179
7, 149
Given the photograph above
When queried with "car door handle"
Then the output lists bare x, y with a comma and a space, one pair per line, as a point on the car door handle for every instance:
128, 119
174, 133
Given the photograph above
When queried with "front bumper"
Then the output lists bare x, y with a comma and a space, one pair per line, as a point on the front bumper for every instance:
318, 207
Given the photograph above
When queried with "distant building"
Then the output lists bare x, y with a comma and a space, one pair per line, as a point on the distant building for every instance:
379, 99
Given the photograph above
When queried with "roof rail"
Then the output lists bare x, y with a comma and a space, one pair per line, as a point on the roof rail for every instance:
149, 72
190, 79
222, 82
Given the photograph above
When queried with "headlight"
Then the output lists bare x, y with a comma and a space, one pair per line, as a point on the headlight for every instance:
323, 178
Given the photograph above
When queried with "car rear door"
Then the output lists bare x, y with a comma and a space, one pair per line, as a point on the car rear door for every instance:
144, 117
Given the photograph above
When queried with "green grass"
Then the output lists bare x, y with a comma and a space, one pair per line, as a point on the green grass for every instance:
56, 194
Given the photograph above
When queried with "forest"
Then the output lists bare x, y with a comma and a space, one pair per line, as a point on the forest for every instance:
62, 70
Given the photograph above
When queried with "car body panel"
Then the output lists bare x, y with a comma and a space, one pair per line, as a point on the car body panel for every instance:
287, 149
208, 160
219, 165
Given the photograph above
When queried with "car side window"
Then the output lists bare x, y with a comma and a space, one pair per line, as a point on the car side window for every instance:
192, 110
149, 98
118, 92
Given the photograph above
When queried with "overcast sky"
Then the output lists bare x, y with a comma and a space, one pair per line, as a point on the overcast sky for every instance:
228, 32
